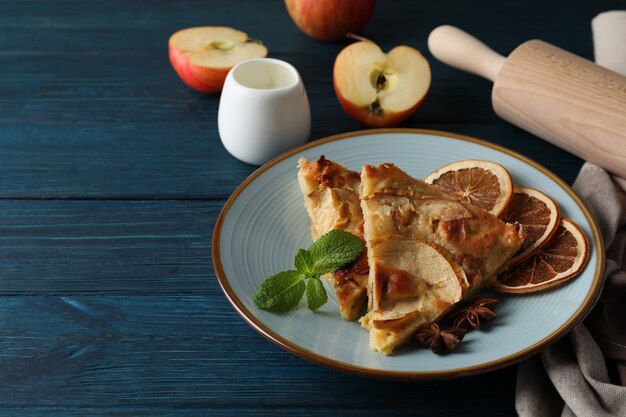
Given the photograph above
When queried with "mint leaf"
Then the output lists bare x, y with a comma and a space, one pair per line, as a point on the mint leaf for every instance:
284, 290
334, 250
280, 292
315, 294
304, 262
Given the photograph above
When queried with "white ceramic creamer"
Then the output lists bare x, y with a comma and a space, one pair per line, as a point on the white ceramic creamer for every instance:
264, 110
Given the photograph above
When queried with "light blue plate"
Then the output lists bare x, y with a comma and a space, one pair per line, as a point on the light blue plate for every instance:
264, 223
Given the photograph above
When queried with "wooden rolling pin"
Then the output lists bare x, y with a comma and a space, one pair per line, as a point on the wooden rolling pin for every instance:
558, 96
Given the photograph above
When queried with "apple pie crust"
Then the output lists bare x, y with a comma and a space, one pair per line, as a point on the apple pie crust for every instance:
331, 197
426, 252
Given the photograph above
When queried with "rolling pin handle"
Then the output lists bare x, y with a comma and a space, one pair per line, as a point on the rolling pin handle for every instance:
461, 50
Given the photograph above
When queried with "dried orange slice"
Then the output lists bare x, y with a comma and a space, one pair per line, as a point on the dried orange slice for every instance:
484, 184
563, 257
539, 216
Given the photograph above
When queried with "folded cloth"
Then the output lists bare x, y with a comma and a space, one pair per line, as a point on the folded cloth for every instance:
571, 377
609, 32
609, 38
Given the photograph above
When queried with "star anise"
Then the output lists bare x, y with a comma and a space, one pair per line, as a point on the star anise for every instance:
478, 312
439, 340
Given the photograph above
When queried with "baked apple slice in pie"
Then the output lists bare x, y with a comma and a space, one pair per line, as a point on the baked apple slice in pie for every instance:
331, 197
426, 252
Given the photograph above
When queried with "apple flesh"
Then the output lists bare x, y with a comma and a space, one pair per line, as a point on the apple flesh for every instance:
330, 20
202, 56
378, 89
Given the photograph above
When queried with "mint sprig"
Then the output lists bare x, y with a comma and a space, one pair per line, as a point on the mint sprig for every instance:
284, 290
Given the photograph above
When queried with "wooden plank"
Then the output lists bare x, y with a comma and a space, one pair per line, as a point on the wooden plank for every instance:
277, 411
113, 247
116, 161
116, 88
174, 161
140, 25
182, 352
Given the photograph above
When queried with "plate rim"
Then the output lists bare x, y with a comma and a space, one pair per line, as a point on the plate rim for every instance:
580, 313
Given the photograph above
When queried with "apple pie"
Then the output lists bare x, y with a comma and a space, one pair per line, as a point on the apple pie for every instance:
331, 197
426, 252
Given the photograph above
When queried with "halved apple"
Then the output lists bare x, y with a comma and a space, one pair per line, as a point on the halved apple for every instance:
378, 89
202, 56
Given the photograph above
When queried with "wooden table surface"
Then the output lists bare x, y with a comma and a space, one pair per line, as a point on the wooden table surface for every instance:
112, 175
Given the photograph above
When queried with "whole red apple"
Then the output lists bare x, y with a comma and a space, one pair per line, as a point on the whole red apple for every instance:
330, 20
378, 89
202, 56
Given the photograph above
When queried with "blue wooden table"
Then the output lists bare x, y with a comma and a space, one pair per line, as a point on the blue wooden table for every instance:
111, 178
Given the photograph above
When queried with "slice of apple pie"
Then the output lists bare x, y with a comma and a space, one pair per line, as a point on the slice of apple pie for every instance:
331, 197
426, 252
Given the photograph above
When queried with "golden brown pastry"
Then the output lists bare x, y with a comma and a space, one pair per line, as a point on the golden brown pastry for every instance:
426, 252
331, 197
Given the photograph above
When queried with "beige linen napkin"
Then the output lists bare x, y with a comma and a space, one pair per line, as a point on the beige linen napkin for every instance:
571, 377
584, 374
